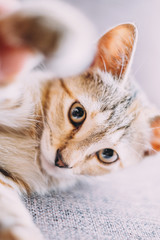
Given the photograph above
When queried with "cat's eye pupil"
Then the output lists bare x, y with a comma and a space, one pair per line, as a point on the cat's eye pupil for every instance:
107, 153
77, 112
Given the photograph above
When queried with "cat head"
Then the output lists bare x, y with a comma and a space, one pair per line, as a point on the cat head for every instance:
96, 122
99, 121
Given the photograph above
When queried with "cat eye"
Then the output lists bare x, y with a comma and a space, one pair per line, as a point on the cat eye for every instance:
77, 114
107, 155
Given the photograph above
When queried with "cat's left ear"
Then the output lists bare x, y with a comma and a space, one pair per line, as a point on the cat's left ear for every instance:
116, 49
155, 133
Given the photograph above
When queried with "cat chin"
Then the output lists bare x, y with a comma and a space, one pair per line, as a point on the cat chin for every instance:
60, 179
53, 170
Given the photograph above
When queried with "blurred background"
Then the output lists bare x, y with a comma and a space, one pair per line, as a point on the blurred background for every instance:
146, 15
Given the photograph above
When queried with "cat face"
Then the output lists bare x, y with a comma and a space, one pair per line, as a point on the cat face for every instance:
93, 126
96, 122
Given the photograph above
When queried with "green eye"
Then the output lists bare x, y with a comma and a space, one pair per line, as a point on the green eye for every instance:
107, 155
77, 114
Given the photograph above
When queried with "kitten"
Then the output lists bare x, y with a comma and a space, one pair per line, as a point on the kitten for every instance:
52, 130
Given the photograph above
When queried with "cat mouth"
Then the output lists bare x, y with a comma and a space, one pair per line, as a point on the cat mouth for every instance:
57, 163
56, 167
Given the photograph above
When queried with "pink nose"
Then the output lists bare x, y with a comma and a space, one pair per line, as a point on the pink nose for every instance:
59, 160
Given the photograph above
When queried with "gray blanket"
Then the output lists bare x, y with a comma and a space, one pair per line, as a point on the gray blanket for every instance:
121, 206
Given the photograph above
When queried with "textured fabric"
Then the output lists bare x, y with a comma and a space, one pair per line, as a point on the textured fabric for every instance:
121, 206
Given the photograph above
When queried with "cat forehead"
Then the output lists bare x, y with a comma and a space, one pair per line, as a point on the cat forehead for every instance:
102, 92
99, 86
106, 100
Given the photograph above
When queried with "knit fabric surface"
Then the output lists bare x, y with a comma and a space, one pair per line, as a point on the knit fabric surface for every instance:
122, 206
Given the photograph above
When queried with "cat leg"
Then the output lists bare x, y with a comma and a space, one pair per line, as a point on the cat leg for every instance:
15, 221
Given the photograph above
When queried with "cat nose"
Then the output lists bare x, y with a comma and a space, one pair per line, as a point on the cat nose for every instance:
59, 160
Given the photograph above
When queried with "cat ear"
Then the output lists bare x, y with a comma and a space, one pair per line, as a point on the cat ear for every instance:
155, 133
115, 50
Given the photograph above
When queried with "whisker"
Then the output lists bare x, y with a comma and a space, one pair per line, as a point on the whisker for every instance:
122, 66
104, 64
139, 67
155, 128
139, 156
146, 145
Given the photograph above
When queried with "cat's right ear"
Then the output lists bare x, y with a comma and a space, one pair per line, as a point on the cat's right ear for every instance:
115, 50
153, 146
155, 133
